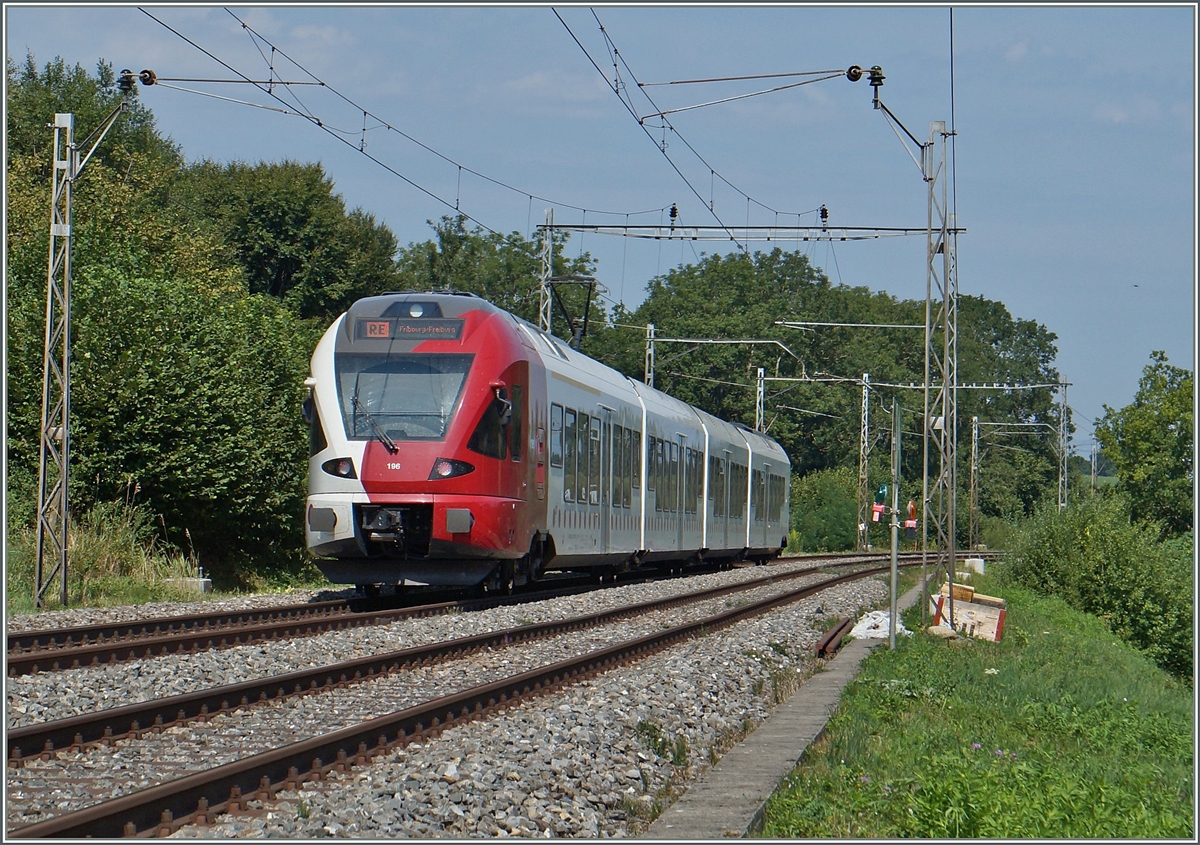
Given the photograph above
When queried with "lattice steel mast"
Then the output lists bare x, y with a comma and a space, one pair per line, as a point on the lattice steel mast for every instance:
53, 513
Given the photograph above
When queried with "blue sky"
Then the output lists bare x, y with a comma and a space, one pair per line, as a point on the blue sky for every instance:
1075, 161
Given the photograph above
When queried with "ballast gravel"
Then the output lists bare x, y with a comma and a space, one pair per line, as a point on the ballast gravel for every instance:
599, 759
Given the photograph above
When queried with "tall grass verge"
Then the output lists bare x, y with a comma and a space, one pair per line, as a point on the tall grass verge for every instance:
114, 557
1058, 731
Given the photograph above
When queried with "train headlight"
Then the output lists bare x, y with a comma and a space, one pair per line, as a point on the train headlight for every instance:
341, 467
449, 468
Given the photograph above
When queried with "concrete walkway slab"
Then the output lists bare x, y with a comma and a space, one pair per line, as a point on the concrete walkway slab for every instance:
727, 801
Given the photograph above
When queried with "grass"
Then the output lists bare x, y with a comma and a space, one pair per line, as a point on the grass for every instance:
114, 558
1060, 730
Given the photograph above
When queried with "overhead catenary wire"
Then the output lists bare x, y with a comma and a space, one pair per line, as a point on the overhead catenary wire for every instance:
616, 87
317, 121
385, 124
667, 124
305, 112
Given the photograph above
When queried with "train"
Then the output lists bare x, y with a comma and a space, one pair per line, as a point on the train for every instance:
454, 444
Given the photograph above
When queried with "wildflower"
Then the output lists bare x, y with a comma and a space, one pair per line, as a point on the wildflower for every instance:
887, 789
865, 779
999, 753
976, 746
1014, 754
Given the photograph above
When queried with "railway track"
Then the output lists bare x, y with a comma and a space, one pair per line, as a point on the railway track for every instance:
200, 796
57, 649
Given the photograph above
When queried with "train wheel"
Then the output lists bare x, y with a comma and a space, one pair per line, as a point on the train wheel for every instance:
500, 581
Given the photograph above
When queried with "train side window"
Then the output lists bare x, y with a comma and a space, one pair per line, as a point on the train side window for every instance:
737, 480
718, 484
569, 457
583, 449
650, 453
636, 457
556, 435
673, 474
594, 468
612, 465
689, 496
663, 465
630, 468
516, 425
779, 498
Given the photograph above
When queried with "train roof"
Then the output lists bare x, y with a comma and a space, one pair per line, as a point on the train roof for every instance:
555, 352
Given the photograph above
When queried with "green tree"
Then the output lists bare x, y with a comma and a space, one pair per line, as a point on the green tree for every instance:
35, 96
504, 269
817, 416
824, 510
185, 387
289, 232
1151, 442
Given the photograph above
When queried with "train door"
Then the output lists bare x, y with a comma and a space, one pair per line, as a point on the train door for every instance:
723, 496
606, 477
679, 469
765, 500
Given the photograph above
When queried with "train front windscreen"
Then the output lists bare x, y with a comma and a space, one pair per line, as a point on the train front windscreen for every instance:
408, 397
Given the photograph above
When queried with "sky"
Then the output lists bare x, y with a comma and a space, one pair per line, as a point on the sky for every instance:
1073, 160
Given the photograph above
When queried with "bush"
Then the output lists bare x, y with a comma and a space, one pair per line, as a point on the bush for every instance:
1092, 556
824, 511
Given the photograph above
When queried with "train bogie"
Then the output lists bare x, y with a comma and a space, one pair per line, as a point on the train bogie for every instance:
455, 444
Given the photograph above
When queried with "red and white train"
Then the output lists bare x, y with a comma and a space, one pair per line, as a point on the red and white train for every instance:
455, 444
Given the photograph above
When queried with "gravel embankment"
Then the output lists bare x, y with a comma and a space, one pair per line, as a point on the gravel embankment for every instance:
572, 764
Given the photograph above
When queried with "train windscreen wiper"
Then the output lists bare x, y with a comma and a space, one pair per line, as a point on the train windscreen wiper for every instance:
380, 434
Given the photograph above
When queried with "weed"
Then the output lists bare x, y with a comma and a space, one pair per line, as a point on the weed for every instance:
652, 737
679, 751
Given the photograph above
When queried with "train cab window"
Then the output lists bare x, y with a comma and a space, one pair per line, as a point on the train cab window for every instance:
556, 435
516, 425
316, 433
569, 457
409, 397
489, 437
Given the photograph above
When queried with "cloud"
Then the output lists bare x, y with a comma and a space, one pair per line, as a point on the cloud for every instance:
1139, 110
328, 35
1017, 51
560, 87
